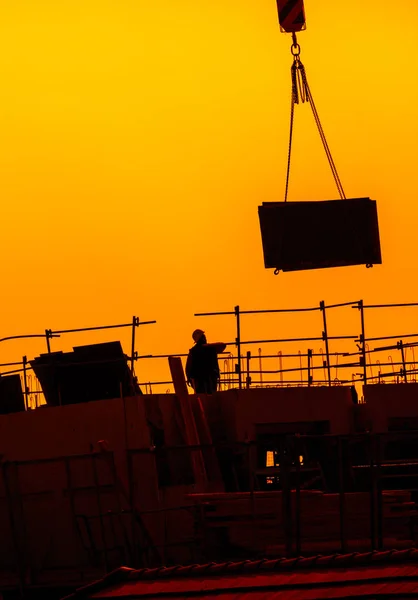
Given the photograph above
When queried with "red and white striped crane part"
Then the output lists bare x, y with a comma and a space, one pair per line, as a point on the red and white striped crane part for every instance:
291, 15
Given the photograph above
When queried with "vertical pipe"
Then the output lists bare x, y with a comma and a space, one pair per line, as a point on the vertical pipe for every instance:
310, 371
260, 364
248, 382
367, 347
48, 335
393, 368
25, 382
325, 338
402, 349
238, 344
300, 367
135, 323
324, 363
279, 354
363, 342
226, 374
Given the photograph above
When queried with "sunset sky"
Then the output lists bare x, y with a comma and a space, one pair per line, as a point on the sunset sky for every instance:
138, 139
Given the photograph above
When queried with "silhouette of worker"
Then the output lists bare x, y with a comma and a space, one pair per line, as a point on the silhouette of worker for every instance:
202, 369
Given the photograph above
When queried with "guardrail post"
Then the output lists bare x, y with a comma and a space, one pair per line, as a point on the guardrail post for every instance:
238, 369
135, 323
401, 348
48, 335
248, 379
362, 342
25, 382
325, 338
310, 376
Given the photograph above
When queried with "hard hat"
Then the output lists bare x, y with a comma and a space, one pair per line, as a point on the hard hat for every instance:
197, 334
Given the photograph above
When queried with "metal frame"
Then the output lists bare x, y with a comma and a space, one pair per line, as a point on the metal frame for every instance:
241, 374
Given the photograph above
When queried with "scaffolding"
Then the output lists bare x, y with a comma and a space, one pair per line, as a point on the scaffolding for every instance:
318, 359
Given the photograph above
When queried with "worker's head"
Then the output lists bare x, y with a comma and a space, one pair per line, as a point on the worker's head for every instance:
199, 336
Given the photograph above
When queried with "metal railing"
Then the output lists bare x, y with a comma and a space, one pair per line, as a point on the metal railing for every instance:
241, 367
23, 366
310, 366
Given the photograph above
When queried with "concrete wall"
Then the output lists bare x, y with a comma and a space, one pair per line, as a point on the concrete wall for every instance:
238, 411
387, 400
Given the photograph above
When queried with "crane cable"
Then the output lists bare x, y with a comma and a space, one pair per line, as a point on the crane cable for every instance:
301, 91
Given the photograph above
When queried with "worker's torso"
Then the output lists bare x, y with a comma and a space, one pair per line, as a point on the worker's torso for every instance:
204, 361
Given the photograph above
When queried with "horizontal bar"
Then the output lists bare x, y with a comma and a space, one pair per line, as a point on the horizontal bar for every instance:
14, 371
277, 310
306, 369
382, 348
102, 327
214, 314
389, 305
174, 354
391, 337
392, 374
12, 364
304, 355
144, 383
343, 304
258, 312
315, 339
64, 365
278, 356
35, 335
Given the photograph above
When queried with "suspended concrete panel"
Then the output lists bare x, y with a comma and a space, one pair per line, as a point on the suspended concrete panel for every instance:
298, 236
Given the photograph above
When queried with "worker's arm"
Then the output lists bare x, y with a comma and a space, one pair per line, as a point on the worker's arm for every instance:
219, 347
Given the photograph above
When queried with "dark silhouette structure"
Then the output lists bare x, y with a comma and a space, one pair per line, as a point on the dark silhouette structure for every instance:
93, 372
11, 395
202, 369
317, 235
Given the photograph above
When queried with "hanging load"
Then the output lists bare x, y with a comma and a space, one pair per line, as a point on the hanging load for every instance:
321, 234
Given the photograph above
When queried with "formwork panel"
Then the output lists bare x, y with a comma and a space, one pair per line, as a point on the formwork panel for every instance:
317, 235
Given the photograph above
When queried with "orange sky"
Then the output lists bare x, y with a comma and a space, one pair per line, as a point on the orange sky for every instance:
138, 139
